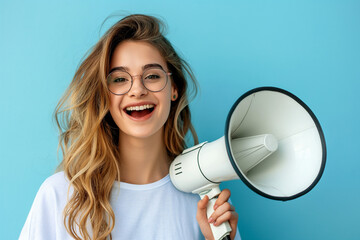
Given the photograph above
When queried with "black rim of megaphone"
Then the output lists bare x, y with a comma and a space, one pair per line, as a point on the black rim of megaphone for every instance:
321, 134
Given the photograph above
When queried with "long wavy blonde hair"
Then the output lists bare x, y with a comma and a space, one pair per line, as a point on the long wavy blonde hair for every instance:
89, 137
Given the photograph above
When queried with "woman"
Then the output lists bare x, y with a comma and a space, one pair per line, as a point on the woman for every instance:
122, 121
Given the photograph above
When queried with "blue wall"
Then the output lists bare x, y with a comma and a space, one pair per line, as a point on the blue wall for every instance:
310, 48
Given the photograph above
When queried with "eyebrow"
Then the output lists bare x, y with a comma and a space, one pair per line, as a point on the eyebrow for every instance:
147, 66
153, 65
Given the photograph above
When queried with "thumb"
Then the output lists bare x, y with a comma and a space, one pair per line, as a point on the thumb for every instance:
202, 204
201, 209
201, 217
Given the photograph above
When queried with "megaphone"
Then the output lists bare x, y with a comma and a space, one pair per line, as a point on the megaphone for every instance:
273, 142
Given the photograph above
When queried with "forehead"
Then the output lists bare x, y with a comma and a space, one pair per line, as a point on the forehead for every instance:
133, 55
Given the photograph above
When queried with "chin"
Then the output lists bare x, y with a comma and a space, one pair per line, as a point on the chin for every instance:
142, 133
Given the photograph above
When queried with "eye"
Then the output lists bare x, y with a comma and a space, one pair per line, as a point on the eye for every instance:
152, 76
120, 80
119, 77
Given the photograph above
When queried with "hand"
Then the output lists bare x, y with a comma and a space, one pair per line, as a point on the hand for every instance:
224, 211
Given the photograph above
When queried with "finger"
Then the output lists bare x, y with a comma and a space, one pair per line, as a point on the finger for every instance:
225, 207
202, 206
222, 198
227, 216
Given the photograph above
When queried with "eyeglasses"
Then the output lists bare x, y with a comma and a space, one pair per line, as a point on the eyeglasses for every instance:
119, 82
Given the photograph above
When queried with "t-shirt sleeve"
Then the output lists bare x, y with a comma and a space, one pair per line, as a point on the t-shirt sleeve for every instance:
41, 221
237, 235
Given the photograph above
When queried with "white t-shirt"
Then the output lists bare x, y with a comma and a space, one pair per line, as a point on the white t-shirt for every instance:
150, 211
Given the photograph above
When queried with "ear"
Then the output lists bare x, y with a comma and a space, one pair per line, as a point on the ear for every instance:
174, 93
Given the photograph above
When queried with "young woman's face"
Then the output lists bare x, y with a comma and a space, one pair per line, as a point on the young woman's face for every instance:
135, 57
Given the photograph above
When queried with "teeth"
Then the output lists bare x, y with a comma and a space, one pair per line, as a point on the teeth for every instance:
139, 108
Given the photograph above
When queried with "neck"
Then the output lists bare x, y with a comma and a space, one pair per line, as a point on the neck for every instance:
143, 160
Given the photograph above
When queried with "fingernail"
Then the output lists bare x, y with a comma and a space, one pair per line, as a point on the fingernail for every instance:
215, 206
210, 220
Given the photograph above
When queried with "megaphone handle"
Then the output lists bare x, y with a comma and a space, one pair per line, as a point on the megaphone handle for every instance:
223, 230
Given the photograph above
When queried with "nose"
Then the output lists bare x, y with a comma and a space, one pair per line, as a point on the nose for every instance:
138, 89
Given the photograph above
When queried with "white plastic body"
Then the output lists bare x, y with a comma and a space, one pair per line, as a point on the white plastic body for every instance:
275, 145
207, 164
202, 167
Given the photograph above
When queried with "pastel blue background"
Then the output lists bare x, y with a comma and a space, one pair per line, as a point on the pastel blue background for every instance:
310, 48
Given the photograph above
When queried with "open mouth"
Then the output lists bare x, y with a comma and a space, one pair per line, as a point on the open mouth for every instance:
140, 111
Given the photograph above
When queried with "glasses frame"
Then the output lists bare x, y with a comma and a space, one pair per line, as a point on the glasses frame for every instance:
167, 74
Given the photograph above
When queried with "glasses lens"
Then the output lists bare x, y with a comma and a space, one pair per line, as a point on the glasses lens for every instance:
119, 82
154, 79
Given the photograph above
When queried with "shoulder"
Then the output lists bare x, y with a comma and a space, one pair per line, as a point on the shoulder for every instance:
56, 180
179, 194
53, 190
45, 216
187, 202
57, 183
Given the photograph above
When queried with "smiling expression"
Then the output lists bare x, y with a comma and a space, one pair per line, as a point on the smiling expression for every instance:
140, 113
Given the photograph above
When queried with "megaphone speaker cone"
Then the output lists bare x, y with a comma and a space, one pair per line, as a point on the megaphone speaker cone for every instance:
275, 143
